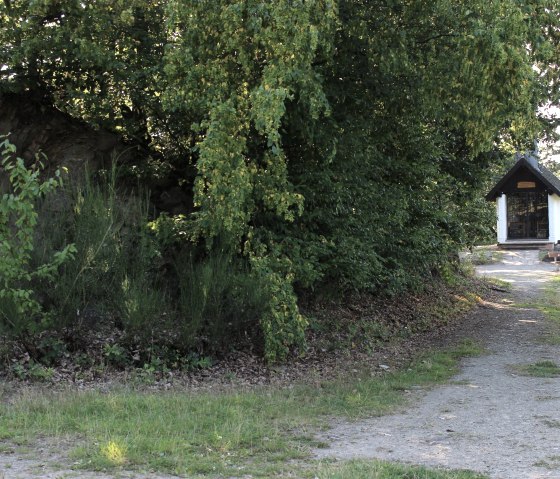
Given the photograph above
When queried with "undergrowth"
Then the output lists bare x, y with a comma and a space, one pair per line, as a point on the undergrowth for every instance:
130, 289
121, 282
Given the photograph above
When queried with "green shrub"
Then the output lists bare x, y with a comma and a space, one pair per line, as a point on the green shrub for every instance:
114, 255
219, 300
116, 355
146, 313
20, 311
145, 277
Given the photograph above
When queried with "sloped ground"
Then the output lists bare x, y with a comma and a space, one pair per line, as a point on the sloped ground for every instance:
490, 419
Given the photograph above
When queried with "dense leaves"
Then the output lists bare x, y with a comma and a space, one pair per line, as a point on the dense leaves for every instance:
337, 145
19, 310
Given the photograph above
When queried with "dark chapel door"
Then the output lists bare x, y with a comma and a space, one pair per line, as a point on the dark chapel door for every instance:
527, 215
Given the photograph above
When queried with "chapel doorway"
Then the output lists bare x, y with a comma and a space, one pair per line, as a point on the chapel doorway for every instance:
527, 215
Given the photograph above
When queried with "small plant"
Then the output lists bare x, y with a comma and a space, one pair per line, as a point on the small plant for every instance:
116, 355
541, 369
38, 372
84, 360
19, 370
31, 370
195, 361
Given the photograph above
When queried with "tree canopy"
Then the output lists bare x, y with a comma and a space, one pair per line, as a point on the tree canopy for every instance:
332, 144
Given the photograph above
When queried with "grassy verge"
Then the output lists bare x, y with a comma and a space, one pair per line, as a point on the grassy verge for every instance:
549, 305
384, 470
226, 434
540, 369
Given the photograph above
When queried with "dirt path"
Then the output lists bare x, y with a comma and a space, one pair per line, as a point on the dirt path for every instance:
489, 419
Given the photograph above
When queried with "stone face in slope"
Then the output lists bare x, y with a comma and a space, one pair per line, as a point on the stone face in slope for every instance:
35, 127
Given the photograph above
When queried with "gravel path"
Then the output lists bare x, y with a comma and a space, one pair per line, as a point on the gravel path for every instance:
489, 419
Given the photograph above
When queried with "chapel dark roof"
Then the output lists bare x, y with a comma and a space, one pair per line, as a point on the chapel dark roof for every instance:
550, 180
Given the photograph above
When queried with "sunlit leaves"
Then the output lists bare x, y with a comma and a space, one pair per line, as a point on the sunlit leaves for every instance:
333, 143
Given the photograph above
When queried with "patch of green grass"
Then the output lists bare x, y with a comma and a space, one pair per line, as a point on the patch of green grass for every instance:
386, 470
552, 462
549, 305
500, 283
227, 434
540, 369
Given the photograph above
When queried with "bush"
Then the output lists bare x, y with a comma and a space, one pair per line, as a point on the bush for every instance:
114, 257
219, 300
146, 313
140, 276
20, 311
144, 280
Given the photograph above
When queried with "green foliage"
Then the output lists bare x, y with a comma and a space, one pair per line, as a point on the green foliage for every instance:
219, 301
111, 272
30, 370
205, 302
115, 355
334, 146
20, 311
282, 324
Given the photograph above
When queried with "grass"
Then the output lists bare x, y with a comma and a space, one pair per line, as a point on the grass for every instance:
552, 462
385, 470
259, 432
549, 305
540, 369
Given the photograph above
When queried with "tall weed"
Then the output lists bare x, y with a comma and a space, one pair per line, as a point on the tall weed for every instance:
108, 231
163, 295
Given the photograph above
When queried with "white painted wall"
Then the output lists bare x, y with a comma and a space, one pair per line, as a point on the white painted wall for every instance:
553, 218
501, 210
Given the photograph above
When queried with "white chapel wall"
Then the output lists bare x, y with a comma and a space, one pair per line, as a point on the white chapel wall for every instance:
501, 210
554, 217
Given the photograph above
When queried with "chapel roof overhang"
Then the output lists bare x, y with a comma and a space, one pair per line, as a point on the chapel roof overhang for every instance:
549, 179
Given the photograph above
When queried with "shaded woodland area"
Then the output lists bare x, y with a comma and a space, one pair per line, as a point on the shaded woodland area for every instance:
230, 161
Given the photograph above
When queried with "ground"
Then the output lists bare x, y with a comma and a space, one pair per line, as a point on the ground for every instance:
491, 418
496, 417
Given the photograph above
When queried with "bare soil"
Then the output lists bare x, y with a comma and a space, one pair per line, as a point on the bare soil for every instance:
489, 419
